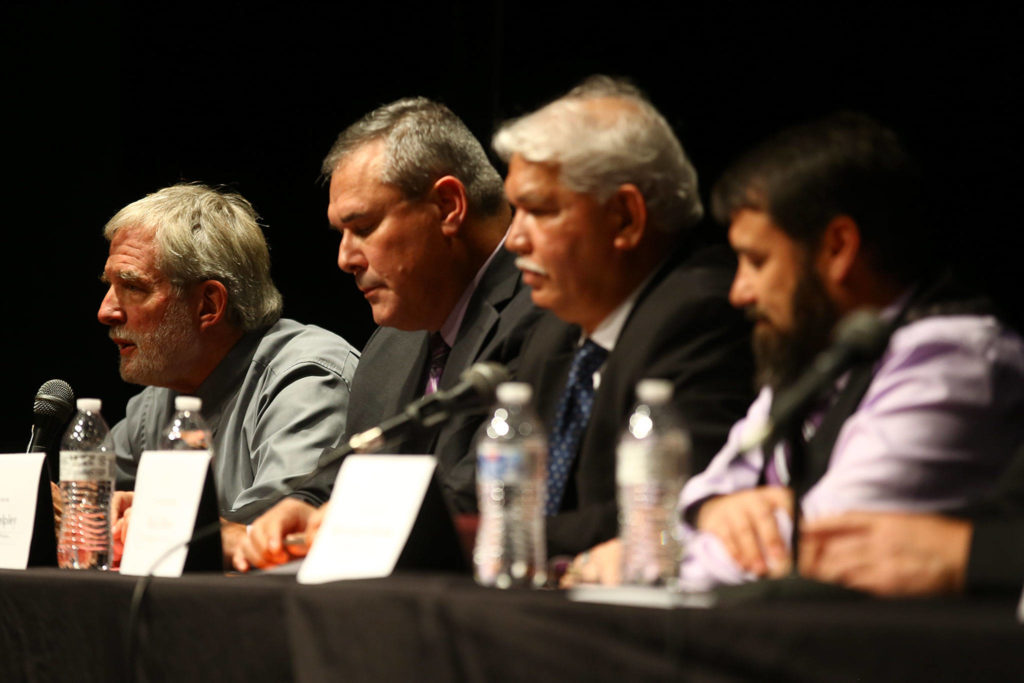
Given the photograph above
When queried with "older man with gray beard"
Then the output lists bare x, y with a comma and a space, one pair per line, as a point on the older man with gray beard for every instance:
192, 309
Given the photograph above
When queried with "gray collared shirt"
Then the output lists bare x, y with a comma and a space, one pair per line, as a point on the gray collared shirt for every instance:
273, 404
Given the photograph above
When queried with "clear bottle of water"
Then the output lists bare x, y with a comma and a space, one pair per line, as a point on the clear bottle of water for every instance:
652, 464
511, 452
87, 469
187, 431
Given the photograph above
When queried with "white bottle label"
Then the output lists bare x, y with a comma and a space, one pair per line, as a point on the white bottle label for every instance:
632, 464
87, 466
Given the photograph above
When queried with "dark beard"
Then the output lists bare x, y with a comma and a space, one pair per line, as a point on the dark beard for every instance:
782, 356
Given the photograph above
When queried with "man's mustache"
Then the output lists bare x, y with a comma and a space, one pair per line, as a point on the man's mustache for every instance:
755, 315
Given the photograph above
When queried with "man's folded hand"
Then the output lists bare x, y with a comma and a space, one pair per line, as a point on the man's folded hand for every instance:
745, 522
264, 543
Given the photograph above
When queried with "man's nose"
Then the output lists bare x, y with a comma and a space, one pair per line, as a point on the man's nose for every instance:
350, 257
741, 293
110, 312
517, 239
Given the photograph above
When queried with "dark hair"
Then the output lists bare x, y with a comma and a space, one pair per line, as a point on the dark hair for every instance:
845, 164
423, 141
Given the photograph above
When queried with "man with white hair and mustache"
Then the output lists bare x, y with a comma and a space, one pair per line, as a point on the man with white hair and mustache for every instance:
608, 235
193, 311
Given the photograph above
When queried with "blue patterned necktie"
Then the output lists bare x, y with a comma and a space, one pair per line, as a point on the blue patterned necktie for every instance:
571, 419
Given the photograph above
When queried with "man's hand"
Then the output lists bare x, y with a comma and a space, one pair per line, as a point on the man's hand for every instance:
745, 523
263, 545
601, 564
232, 535
888, 553
58, 506
313, 525
121, 510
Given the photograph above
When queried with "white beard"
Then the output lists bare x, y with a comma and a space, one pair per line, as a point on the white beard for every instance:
162, 355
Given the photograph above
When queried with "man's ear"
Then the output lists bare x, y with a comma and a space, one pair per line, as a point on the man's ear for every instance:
450, 196
630, 211
838, 250
213, 303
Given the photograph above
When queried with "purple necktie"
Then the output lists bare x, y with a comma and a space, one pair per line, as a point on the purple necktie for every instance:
438, 350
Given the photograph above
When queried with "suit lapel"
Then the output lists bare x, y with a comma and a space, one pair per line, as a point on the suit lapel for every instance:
494, 290
559, 341
377, 395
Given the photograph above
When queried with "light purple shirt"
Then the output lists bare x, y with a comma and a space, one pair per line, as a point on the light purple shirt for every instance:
936, 428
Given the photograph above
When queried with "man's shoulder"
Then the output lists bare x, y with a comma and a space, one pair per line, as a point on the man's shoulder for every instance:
287, 343
388, 340
689, 296
549, 333
147, 397
947, 360
969, 333
148, 409
696, 275
502, 291
501, 278
517, 317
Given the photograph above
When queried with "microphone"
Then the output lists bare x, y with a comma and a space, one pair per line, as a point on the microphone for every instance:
476, 386
53, 407
860, 336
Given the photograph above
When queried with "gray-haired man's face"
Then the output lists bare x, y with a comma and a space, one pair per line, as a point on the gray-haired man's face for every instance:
154, 329
565, 242
393, 246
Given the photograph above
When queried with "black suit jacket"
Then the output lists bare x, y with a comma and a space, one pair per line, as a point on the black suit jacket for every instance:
996, 559
681, 328
392, 372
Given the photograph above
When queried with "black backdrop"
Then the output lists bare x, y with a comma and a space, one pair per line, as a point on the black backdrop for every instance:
107, 101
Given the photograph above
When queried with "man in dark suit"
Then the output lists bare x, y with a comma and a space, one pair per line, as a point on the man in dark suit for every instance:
422, 217
606, 232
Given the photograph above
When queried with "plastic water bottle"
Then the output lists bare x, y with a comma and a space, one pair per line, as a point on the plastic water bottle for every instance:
511, 487
187, 431
652, 464
87, 468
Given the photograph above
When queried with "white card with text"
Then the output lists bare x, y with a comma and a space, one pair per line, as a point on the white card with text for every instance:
375, 502
19, 488
168, 487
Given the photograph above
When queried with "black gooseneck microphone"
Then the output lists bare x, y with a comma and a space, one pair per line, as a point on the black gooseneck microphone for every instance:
54, 405
476, 386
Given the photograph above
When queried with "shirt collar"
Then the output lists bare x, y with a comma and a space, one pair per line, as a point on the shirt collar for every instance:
606, 334
223, 381
450, 329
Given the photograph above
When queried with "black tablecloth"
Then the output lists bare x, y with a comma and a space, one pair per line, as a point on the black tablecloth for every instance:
70, 626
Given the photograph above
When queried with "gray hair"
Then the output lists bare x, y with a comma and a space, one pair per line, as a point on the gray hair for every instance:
598, 151
203, 234
423, 141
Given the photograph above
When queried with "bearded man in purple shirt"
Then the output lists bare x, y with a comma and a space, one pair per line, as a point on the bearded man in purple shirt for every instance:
825, 219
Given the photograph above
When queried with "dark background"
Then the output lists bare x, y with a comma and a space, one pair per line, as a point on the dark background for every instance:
106, 102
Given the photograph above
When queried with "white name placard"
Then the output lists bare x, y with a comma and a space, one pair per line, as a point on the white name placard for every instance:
375, 502
19, 488
168, 487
